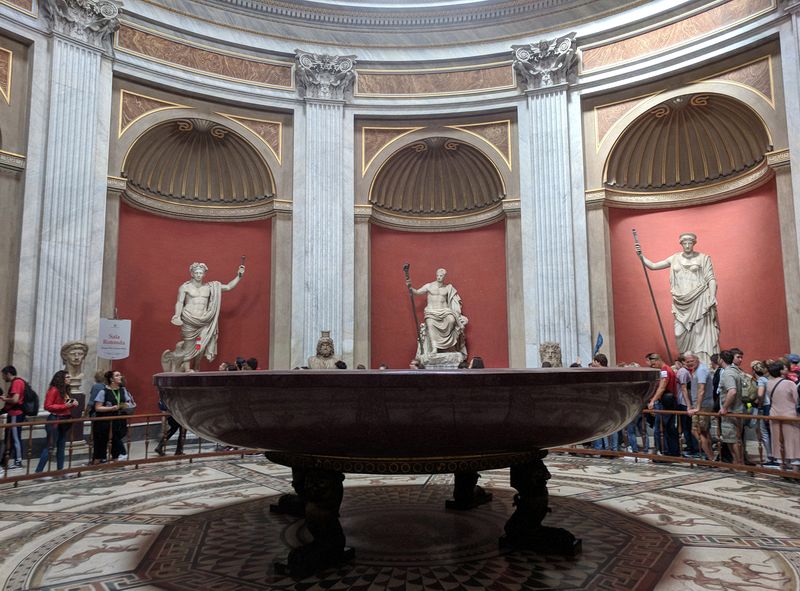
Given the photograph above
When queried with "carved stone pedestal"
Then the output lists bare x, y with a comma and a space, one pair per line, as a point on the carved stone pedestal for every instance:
466, 492
318, 498
448, 360
524, 529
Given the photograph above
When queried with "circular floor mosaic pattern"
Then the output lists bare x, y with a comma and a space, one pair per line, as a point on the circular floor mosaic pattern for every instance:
403, 536
207, 525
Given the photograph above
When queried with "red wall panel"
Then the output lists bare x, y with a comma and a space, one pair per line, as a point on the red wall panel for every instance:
154, 258
476, 265
742, 237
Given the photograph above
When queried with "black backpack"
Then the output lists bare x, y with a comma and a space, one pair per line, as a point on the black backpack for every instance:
30, 400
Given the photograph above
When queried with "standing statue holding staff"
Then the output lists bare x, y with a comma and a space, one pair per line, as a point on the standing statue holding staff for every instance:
694, 297
441, 337
197, 313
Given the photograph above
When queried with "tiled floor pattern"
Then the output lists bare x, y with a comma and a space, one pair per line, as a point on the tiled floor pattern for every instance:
207, 525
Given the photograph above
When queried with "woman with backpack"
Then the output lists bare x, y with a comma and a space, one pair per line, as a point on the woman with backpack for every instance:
60, 405
114, 400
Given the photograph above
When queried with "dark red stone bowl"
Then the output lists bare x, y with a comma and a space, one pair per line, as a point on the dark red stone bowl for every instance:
406, 414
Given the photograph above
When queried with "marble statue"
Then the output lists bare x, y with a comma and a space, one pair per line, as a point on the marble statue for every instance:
694, 297
550, 352
197, 313
325, 358
442, 340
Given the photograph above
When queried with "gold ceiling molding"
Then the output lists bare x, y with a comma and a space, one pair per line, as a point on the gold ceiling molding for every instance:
436, 178
755, 75
375, 139
6, 64
495, 133
686, 141
269, 132
133, 106
177, 52
444, 81
710, 193
198, 165
706, 21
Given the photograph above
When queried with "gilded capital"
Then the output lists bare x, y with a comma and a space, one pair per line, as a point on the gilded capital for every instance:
90, 21
321, 76
546, 63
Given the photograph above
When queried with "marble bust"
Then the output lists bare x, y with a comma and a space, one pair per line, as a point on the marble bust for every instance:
73, 354
550, 352
325, 358
197, 313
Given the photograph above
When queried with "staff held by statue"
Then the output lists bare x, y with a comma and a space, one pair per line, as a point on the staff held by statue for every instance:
406, 268
652, 297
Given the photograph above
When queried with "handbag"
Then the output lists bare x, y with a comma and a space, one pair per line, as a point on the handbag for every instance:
129, 406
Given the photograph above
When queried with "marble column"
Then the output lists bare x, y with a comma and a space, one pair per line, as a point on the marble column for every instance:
788, 182
73, 198
323, 233
553, 215
280, 322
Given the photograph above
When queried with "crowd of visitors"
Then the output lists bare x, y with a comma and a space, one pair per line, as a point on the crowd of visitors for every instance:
709, 399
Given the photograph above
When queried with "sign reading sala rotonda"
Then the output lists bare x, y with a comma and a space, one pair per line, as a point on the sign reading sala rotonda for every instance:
114, 341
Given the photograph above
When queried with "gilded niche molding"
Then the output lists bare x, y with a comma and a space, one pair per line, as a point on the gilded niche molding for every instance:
435, 81
755, 75
177, 52
436, 178
6, 64
269, 132
687, 141
376, 139
495, 133
723, 16
133, 106
196, 168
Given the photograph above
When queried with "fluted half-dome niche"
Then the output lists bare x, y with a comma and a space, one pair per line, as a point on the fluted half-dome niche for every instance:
197, 164
685, 142
437, 176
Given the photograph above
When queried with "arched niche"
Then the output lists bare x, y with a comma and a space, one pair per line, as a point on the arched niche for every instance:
687, 141
438, 179
195, 168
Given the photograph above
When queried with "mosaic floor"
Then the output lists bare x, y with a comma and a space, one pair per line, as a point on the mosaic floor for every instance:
207, 526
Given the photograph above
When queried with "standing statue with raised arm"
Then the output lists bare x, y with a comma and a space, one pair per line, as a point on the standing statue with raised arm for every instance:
694, 297
197, 313
443, 335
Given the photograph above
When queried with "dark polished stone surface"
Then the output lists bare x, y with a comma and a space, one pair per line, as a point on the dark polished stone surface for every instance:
406, 414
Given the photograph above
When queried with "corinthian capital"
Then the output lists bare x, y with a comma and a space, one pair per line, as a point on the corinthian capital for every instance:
90, 21
325, 76
546, 63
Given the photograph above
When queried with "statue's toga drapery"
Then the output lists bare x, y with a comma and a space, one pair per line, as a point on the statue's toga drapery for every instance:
202, 329
693, 304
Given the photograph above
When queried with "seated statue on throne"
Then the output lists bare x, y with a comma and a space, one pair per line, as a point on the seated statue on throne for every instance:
441, 341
